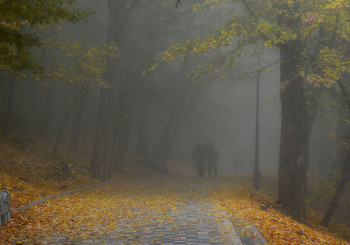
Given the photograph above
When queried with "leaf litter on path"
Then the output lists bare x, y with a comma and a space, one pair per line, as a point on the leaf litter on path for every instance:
123, 211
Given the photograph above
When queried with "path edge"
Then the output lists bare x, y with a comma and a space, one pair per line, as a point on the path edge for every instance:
86, 188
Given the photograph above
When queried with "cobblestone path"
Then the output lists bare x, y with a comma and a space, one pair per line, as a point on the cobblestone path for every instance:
192, 220
193, 224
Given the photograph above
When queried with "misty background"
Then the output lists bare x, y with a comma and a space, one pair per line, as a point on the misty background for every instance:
211, 108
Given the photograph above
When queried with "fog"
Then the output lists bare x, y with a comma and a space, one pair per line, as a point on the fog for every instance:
160, 113
187, 114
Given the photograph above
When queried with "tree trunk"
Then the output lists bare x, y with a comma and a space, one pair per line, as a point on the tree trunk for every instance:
141, 145
123, 125
313, 101
8, 117
169, 134
292, 169
340, 189
75, 136
46, 113
35, 105
123, 143
345, 151
64, 122
292, 179
99, 160
125, 117
120, 12
325, 156
341, 129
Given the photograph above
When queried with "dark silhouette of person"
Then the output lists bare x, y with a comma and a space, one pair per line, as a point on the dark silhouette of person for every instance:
212, 158
199, 156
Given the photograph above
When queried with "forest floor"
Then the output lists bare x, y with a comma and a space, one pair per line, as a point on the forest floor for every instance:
152, 211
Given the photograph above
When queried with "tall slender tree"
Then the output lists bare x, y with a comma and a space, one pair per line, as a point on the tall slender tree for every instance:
120, 13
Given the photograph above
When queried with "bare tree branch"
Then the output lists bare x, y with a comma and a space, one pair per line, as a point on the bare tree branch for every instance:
247, 7
178, 2
132, 9
170, 21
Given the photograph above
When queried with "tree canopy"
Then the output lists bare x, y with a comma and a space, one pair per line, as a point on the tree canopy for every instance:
17, 35
321, 26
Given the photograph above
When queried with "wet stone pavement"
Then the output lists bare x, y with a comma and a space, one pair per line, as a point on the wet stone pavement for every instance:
194, 220
193, 223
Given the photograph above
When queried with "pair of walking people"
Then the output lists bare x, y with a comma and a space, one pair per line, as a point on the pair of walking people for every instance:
205, 155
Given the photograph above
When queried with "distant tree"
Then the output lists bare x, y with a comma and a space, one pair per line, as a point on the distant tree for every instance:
344, 152
341, 183
177, 97
83, 68
77, 119
166, 22
120, 13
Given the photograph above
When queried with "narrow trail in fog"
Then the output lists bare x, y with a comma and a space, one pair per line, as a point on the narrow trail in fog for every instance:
162, 211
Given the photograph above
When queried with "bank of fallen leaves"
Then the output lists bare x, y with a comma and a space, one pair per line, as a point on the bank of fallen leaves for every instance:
259, 209
29, 174
117, 211
24, 190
